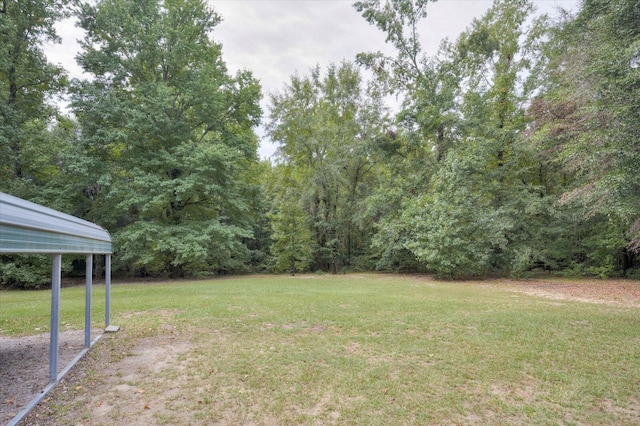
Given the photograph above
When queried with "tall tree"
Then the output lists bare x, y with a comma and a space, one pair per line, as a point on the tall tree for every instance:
31, 151
293, 243
494, 58
424, 128
426, 86
28, 82
465, 108
325, 125
168, 133
586, 126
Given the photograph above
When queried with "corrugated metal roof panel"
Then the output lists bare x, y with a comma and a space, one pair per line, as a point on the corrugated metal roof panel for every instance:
26, 227
23, 240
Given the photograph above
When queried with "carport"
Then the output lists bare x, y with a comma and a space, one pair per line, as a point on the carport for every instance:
29, 228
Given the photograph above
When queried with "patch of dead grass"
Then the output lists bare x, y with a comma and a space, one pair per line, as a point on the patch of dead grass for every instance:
607, 292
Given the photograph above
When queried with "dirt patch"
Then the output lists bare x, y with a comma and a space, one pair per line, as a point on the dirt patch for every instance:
608, 292
123, 380
24, 367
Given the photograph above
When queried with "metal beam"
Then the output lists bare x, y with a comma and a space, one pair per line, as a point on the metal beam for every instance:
87, 301
54, 331
107, 282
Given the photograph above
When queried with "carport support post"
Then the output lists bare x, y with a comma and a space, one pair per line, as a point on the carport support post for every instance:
107, 282
56, 273
87, 301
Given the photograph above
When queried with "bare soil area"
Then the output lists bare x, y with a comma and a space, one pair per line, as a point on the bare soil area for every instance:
609, 292
120, 377
24, 367
123, 380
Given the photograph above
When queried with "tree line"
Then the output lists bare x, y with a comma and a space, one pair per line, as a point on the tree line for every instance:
514, 148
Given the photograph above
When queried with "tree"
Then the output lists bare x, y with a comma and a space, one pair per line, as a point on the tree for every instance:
585, 123
464, 111
427, 86
325, 125
455, 229
27, 83
494, 57
427, 125
168, 136
30, 151
293, 245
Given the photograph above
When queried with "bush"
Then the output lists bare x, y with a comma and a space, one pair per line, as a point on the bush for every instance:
27, 271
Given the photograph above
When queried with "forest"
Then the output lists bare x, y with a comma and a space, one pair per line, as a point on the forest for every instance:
513, 150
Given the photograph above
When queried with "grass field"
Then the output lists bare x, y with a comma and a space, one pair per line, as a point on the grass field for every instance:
354, 350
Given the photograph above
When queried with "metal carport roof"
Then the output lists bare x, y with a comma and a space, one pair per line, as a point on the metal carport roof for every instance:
26, 227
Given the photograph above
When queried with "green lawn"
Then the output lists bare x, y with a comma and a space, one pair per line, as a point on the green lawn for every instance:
366, 349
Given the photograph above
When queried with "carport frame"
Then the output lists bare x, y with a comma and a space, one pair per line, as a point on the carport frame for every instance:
29, 228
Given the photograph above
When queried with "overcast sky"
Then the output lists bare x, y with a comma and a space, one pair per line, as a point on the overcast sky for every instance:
277, 38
